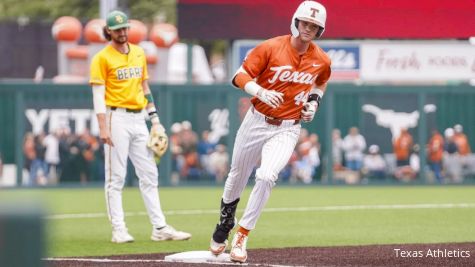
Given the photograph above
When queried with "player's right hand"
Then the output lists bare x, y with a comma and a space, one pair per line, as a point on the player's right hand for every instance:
270, 97
308, 111
105, 137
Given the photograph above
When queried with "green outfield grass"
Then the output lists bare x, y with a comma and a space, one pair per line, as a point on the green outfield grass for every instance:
362, 220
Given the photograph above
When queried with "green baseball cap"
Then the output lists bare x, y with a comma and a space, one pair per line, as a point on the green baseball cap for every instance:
117, 20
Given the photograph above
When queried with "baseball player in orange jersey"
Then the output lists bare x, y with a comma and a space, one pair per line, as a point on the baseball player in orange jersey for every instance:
287, 76
120, 94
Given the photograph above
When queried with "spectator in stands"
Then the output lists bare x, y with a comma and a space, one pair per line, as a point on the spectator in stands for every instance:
411, 170
189, 142
374, 165
354, 144
65, 140
288, 173
177, 152
308, 159
402, 147
219, 162
39, 168
30, 154
314, 153
189, 139
98, 167
461, 141
463, 146
414, 160
218, 67
315, 149
51, 143
304, 135
452, 164
74, 162
87, 145
435, 151
205, 148
337, 150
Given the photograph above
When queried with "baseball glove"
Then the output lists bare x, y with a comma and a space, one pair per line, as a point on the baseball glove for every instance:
158, 143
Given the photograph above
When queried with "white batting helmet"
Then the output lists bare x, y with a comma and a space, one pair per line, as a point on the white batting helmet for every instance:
312, 12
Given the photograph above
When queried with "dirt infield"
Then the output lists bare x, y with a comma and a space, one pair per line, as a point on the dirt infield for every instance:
447, 254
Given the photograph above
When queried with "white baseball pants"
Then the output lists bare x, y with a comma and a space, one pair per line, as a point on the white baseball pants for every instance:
258, 140
129, 134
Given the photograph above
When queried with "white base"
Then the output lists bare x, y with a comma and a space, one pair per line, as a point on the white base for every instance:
197, 257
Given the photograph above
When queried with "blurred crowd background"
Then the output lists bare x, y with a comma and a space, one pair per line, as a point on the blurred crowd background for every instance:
399, 107
65, 157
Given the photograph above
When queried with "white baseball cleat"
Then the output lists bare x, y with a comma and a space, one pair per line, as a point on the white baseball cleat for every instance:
169, 233
238, 249
121, 236
217, 248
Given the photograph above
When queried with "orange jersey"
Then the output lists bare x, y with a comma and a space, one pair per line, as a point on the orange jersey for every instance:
402, 146
276, 65
436, 148
463, 146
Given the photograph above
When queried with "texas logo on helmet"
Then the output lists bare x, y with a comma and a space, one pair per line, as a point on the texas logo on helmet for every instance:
312, 12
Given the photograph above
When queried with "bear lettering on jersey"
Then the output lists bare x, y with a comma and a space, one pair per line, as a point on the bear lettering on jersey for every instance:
129, 73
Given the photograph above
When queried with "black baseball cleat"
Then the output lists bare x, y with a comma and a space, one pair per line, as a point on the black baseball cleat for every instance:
227, 221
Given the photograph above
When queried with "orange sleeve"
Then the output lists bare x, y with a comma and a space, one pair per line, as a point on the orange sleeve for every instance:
241, 79
256, 62
253, 65
324, 76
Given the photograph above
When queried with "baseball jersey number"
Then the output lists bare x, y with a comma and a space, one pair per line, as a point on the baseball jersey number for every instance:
301, 98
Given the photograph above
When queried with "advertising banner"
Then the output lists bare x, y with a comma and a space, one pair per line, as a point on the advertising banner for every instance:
417, 62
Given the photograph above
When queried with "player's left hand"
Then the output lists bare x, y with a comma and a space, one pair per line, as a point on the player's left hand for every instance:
308, 111
158, 141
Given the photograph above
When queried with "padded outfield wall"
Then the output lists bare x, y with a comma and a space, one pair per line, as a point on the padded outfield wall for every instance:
26, 107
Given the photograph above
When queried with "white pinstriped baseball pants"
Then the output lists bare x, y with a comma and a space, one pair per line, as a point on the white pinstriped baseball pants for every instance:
257, 140
129, 134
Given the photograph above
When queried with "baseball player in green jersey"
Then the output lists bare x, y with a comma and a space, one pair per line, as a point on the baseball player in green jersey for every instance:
121, 97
